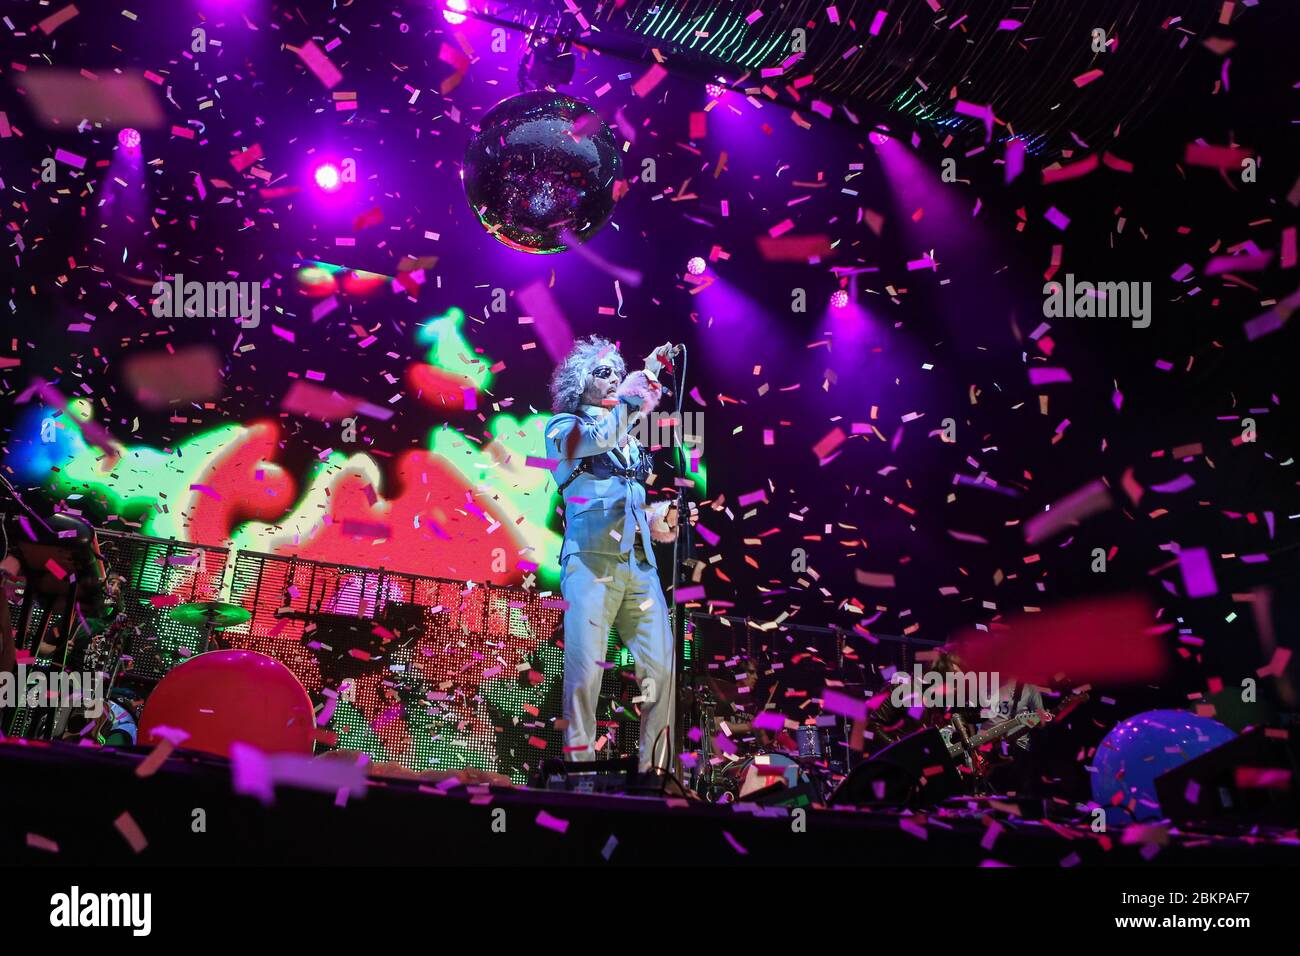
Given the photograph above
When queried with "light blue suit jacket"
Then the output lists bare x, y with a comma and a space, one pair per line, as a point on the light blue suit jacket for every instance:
603, 512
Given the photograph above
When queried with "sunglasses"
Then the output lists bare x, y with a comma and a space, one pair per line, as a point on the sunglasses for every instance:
604, 371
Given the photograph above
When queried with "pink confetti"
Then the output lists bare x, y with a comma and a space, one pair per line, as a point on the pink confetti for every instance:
1089, 500
157, 757
1217, 157
837, 702
544, 819
991, 835
1046, 375
1272, 320
131, 832
1070, 171
649, 80
689, 594
1250, 263
72, 159
735, 844
1198, 573
1181, 483
315, 60
256, 774
1262, 778
552, 327
1277, 664
1014, 159
1117, 164
781, 228
56, 20
1083, 79
984, 113
1057, 218
245, 158
874, 580
38, 842
878, 22
916, 830
832, 440
711, 538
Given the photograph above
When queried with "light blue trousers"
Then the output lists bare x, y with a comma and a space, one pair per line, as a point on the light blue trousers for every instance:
604, 590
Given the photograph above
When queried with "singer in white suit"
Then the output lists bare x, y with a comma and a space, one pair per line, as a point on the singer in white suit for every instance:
608, 570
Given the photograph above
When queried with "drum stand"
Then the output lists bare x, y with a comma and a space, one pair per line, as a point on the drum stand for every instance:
705, 708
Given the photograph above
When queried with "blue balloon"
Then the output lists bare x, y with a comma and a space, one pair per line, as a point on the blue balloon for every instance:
1139, 749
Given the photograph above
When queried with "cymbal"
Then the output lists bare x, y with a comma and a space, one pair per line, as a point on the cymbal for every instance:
210, 613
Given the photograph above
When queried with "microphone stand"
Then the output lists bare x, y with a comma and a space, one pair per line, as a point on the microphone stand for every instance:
682, 550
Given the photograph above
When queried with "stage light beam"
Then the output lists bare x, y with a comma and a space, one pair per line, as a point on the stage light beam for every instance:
455, 11
327, 177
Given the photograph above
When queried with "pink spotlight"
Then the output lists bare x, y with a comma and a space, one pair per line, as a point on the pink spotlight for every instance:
839, 299
696, 266
714, 91
455, 12
327, 177
879, 139
129, 138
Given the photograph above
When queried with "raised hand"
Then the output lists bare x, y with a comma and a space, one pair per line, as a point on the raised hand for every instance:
640, 390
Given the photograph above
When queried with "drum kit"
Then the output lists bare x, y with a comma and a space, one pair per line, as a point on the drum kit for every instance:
764, 767
209, 616
104, 652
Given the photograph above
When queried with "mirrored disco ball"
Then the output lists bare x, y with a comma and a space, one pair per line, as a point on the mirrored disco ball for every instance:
540, 172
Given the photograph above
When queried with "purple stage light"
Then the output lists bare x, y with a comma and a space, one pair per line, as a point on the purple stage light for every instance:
455, 11
129, 138
839, 299
714, 90
327, 177
696, 266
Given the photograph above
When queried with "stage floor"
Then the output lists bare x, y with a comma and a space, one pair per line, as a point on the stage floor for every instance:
64, 804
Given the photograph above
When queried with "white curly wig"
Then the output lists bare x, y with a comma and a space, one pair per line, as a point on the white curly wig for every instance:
569, 380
